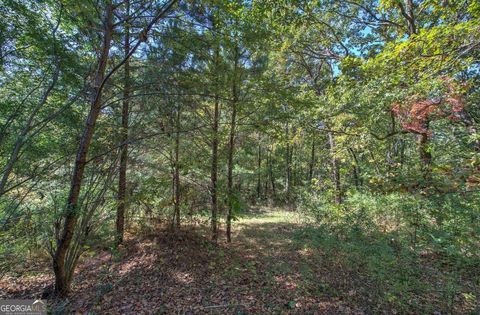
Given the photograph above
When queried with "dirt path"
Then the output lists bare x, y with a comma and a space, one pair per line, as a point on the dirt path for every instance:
275, 265
266, 270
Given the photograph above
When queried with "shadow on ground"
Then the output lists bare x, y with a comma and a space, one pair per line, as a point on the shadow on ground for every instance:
275, 265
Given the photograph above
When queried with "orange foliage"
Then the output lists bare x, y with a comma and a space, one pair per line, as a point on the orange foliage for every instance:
415, 113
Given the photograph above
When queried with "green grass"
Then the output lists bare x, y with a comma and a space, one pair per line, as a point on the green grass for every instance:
367, 268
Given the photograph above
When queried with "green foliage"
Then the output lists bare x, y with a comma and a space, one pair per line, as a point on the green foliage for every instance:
388, 239
446, 225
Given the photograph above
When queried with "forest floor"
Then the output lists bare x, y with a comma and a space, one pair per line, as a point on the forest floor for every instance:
275, 265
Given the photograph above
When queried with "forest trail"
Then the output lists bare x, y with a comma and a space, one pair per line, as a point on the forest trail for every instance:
276, 264
267, 269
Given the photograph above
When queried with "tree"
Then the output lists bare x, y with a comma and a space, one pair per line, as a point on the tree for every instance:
122, 177
63, 277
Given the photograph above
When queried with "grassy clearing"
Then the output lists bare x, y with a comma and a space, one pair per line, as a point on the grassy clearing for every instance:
369, 270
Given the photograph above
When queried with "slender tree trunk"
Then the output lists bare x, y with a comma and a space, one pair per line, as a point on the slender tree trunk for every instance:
266, 192
406, 10
424, 153
402, 153
231, 147
412, 29
425, 156
356, 169
311, 165
230, 172
122, 178
335, 169
214, 167
62, 282
266, 185
177, 171
272, 178
293, 162
259, 170
214, 170
288, 166
172, 161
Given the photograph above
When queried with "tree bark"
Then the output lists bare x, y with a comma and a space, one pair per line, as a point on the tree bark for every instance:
214, 162
288, 166
335, 169
259, 170
177, 171
312, 162
272, 178
231, 147
406, 10
356, 169
214, 170
122, 178
62, 282
424, 153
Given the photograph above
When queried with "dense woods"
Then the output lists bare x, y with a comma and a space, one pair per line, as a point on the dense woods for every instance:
241, 157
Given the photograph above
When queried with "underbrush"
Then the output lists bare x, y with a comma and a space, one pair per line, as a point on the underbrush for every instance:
415, 254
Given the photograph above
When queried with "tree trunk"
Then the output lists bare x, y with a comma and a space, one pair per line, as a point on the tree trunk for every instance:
406, 10
259, 172
214, 170
335, 169
293, 159
214, 167
62, 282
272, 178
356, 170
412, 29
177, 171
231, 147
312, 162
122, 176
288, 166
424, 154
